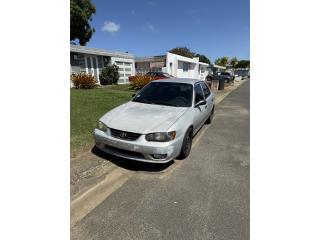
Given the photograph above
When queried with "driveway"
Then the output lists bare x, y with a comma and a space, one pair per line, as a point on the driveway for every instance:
206, 196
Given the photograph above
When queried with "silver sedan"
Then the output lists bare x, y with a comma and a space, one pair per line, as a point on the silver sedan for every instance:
158, 124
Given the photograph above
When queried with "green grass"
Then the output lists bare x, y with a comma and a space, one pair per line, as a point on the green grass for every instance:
86, 107
120, 87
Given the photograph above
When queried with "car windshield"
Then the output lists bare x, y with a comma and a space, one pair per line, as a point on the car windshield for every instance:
166, 93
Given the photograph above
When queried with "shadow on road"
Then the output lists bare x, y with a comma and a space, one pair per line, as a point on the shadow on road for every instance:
131, 164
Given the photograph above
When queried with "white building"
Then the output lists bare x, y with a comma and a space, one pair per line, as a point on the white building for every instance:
173, 64
92, 60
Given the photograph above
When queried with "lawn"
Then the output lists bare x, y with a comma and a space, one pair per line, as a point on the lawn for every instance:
86, 107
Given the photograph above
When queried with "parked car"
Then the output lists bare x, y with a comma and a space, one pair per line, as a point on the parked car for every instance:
228, 77
158, 124
159, 75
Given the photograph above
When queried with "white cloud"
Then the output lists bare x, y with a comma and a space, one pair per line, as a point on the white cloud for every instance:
111, 27
150, 27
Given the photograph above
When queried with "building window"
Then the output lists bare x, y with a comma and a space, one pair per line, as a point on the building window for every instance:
128, 69
185, 66
75, 57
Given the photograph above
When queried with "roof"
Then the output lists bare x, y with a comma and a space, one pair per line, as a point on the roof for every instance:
186, 59
218, 66
150, 59
162, 57
180, 80
101, 52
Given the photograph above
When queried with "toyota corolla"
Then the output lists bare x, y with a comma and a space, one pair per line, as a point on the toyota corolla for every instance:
158, 124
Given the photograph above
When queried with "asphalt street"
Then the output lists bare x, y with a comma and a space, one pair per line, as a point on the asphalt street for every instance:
206, 196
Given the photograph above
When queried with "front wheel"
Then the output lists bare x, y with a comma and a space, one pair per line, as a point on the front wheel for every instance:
187, 144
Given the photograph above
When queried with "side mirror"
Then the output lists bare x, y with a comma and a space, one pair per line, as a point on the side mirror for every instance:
203, 102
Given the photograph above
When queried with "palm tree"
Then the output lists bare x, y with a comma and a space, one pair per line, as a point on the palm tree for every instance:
233, 62
221, 61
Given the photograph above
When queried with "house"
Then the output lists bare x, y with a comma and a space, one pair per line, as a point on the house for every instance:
92, 60
173, 64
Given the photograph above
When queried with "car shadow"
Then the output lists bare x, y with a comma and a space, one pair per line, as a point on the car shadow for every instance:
131, 164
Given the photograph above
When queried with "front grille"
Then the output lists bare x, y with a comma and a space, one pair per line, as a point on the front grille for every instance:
124, 153
124, 135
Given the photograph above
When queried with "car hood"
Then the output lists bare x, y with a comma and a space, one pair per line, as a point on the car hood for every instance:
142, 118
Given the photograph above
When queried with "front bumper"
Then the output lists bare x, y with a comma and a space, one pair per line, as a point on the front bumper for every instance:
138, 150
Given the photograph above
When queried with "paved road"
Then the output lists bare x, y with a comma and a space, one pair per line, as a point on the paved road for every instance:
206, 196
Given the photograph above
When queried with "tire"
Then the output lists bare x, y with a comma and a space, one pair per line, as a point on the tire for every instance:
187, 144
226, 80
210, 118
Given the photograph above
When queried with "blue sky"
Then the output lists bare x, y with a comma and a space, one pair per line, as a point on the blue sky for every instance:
152, 27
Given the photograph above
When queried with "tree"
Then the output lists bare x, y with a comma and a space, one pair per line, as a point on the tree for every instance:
81, 12
221, 61
233, 62
203, 58
243, 64
186, 52
109, 75
182, 51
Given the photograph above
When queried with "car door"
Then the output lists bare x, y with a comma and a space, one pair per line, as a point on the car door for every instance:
200, 111
209, 97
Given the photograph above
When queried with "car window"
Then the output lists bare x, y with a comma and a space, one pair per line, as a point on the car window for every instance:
206, 90
166, 93
198, 93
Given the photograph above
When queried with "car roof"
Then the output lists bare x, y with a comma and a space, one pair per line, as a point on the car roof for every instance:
179, 80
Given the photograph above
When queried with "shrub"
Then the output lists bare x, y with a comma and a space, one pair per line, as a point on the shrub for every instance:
139, 81
83, 81
109, 75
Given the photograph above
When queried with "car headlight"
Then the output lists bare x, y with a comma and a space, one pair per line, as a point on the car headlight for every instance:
161, 136
101, 126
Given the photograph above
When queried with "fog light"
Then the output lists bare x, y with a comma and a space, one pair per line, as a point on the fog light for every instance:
159, 156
